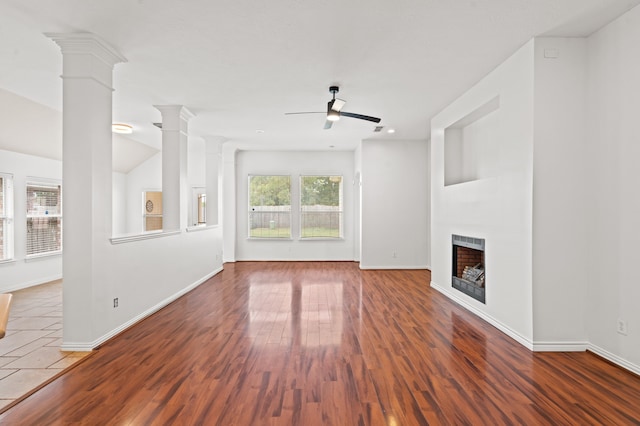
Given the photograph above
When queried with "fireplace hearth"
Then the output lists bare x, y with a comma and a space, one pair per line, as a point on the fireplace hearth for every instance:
468, 271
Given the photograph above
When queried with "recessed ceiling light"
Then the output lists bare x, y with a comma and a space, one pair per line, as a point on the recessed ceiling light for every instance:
259, 131
122, 128
391, 131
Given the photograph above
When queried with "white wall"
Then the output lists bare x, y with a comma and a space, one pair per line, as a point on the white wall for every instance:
119, 197
295, 164
196, 162
143, 273
357, 203
496, 208
614, 137
23, 273
395, 204
569, 123
561, 205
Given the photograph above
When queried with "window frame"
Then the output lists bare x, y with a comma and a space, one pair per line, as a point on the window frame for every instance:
6, 217
339, 211
198, 207
251, 211
31, 185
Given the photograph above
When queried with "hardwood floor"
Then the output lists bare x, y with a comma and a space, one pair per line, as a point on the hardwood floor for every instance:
310, 343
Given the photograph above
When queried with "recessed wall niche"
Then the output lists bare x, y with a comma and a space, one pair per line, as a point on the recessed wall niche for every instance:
471, 148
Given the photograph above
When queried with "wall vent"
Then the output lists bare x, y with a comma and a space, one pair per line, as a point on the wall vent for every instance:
378, 129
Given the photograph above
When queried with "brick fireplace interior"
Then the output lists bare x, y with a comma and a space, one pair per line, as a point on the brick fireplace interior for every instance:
468, 270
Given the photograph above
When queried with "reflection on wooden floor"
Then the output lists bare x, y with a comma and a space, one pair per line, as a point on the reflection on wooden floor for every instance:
323, 343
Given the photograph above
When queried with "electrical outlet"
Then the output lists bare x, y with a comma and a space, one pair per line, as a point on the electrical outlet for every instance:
115, 302
622, 327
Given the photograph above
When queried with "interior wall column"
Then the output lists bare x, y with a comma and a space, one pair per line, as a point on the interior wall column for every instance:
87, 70
175, 183
229, 209
213, 149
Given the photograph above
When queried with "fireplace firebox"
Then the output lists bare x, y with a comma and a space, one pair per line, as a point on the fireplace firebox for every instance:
468, 271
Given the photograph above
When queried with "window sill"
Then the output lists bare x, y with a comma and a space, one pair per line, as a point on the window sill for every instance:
31, 257
322, 239
7, 261
268, 239
145, 236
200, 228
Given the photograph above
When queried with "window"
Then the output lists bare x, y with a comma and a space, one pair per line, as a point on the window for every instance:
44, 218
198, 210
269, 207
202, 209
152, 211
6, 217
321, 206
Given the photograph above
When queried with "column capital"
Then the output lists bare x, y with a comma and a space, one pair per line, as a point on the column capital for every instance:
213, 144
173, 116
86, 56
87, 43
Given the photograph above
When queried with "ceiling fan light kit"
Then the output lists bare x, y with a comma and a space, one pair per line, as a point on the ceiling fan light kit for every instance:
334, 110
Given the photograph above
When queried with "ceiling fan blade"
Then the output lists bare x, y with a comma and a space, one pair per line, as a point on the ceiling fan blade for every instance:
360, 116
338, 104
328, 124
308, 112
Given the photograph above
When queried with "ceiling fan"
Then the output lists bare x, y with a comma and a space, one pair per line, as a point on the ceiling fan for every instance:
334, 110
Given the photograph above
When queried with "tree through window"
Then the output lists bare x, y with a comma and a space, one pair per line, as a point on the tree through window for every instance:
321, 207
269, 207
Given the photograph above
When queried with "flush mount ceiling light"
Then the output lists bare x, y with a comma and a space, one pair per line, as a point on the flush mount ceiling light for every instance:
122, 128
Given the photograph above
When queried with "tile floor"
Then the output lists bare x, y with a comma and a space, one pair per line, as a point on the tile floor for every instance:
29, 353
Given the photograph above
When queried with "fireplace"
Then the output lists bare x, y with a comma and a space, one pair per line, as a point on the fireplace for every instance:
468, 272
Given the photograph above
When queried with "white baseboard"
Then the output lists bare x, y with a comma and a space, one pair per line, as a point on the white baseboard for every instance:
31, 283
560, 346
542, 346
393, 266
488, 318
89, 346
614, 359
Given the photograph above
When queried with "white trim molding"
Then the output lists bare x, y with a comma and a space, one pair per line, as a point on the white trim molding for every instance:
488, 318
540, 346
560, 346
89, 346
145, 236
614, 358
393, 267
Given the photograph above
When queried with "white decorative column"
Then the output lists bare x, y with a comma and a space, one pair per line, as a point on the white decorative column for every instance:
87, 69
229, 209
213, 149
175, 184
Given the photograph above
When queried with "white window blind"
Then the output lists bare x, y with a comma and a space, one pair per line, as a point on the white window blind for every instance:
6, 217
44, 218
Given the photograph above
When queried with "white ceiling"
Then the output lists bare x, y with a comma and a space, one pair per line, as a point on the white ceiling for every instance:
239, 65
